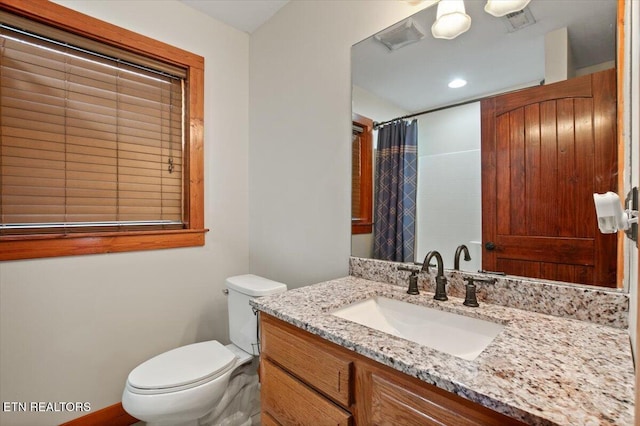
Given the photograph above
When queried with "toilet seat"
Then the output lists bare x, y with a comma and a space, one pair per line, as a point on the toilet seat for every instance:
181, 368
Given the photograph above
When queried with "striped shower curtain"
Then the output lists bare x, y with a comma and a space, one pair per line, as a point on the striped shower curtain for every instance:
395, 198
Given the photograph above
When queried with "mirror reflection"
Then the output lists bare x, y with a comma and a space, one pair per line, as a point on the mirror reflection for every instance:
506, 163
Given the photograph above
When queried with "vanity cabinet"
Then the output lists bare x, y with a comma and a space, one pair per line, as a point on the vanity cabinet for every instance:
307, 380
301, 382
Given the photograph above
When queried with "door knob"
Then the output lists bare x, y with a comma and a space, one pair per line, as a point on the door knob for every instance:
490, 246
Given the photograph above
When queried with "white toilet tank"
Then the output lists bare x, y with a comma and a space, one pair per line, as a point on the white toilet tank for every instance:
243, 323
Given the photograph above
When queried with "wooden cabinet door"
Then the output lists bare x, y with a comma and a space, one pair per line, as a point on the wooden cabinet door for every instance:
389, 399
545, 151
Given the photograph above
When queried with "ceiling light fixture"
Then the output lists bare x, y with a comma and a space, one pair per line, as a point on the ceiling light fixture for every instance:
457, 83
500, 8
451, 20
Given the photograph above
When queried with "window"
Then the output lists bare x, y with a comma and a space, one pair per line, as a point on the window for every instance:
361, 175
101, 137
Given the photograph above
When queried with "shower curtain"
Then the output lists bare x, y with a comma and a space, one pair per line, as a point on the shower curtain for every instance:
395, 198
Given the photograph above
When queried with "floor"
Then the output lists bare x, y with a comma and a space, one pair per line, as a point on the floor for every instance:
255, 421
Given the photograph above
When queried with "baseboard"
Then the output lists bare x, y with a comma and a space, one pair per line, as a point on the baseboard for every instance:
114, 415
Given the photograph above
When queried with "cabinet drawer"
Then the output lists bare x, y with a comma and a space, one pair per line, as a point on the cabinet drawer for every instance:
315, 364
288, 401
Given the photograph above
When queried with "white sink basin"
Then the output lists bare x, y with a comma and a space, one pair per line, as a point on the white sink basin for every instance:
454, 334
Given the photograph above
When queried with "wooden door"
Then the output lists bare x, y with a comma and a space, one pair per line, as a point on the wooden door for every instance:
545, 151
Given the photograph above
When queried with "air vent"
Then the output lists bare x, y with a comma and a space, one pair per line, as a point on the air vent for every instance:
400, 35
518, 20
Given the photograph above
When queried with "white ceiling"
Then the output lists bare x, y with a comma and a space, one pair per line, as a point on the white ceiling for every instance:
244, 15
490, 58
487, 56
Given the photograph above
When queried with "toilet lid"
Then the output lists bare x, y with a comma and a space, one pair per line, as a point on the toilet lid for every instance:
183, 366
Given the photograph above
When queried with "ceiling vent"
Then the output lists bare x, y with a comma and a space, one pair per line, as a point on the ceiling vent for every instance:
400, 35
518, 20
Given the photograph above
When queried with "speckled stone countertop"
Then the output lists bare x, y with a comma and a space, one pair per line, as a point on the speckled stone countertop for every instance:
599, 305
540, 369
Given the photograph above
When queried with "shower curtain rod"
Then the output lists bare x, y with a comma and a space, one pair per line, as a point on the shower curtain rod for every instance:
415, 114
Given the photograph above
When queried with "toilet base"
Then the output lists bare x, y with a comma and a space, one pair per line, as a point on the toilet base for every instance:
237, 419
240, 403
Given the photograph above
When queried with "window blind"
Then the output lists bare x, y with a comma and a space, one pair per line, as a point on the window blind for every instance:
88, 141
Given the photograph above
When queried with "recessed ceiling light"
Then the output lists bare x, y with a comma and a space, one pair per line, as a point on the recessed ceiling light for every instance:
457, 83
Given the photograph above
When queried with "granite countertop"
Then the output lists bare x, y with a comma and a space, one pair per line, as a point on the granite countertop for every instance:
540, 369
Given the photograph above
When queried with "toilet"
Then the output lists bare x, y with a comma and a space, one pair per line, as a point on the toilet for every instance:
186, 385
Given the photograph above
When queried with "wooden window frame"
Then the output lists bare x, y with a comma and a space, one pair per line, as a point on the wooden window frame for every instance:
53, 245
364, 225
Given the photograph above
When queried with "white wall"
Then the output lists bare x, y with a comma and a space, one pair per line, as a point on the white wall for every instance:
449, 186
72, 328
558, 60
300, 121
371, 106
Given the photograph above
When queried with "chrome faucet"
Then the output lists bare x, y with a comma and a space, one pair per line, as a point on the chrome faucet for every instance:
441, 281
456, 259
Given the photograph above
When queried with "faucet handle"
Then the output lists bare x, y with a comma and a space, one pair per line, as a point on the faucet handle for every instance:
472, 280
413, 279
470, 298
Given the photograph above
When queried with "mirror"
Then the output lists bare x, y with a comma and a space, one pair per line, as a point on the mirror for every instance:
496, 55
